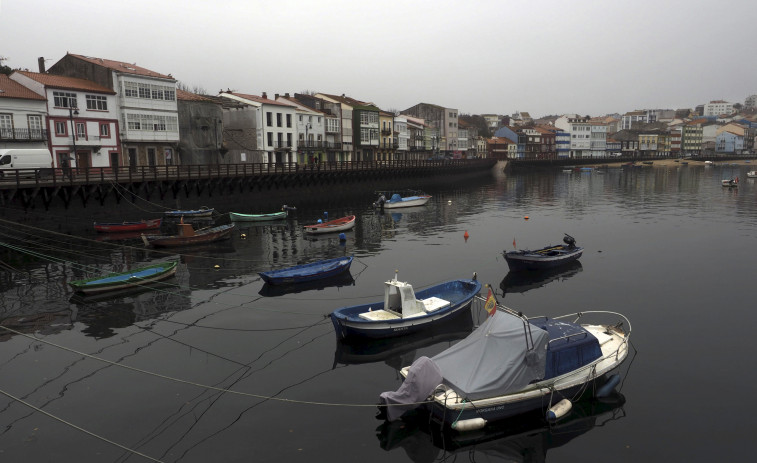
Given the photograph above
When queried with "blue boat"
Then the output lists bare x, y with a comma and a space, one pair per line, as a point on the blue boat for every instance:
307, 272
189, 213
404, 312
544, 258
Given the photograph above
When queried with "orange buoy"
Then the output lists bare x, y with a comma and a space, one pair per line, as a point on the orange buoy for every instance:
526, 217
466, 235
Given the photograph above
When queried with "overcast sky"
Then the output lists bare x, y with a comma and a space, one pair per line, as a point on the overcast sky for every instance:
478, 56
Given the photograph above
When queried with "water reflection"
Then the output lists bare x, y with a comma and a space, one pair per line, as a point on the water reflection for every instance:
527, 438
520, 281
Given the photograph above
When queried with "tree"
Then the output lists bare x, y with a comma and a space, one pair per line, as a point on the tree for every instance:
477, 121
3, 68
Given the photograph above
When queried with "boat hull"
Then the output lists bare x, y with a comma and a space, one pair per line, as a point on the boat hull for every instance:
527, 260
407, 202
332, 226
123, 280
308, 272
237, 217
189, 213
125, 227
459, 293
209, 235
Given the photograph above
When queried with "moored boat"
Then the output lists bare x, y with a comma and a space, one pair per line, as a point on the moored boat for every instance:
121, 280
403, 311
125, 227
331, 226
730, 183
751, 174
307, 272
512, 365
547, 257
406, 198
282, 214
187, 235
189, 213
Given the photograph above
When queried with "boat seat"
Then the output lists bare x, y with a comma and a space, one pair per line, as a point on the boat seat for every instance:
433, 304
378, 315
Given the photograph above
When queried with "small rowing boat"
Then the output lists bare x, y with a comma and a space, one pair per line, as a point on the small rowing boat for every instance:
123, 227
188, 235
190, 213
548, 257
307, 272
331, 226
121, 280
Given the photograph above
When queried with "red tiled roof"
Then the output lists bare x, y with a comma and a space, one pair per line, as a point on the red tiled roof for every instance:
259, 99
67, 83
189, 96
9, 88
120, 66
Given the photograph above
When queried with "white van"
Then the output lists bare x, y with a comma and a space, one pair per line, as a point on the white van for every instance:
24, 158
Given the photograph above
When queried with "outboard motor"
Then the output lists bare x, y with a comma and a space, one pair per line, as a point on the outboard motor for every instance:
380, 201
569, 240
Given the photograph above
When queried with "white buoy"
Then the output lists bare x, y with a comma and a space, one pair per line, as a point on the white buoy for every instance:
469, 425
559, 410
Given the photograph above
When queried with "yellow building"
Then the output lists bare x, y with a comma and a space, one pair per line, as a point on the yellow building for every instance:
387, 145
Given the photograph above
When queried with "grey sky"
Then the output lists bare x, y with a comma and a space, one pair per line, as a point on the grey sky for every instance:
479, 56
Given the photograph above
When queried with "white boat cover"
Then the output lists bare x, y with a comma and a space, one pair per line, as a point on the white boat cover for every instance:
495, 358
422, 378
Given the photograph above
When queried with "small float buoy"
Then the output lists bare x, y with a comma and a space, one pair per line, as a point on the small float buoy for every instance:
243, 235
320, 221
525, 218
469, 425
342, 237
466, 235
559, 409
607, 387
216, 266
449, 201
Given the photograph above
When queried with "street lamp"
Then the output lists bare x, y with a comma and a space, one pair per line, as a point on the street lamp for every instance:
71, 113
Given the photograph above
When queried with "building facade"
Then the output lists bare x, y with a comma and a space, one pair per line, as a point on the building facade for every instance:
22, 116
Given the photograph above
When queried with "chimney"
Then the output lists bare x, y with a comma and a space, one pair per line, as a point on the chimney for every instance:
286, 95
41, 64
265, 95
276, 97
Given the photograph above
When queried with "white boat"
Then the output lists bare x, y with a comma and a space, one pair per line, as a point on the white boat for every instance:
708, 163
408, 198
512, 365
730, 182
751, 174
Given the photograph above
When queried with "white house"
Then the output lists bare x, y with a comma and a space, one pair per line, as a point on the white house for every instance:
22, 116
311, 131
580, 130
718, 107
82, 119
402, 137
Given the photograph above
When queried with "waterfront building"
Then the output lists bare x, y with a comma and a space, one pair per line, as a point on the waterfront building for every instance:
481, 150
613, 147
419, 138
598, 140
363, 120
518, 139
691, 137
22, 116
709, 133
501, 148
629, 142
580, 130
562, 143
387, 147
676, 136
718, 107
729, 141
462, 139
311, 131
631, 117
82, 120
146, 105
346, 109
402, 137
338, 136
269, 122
200, 130
548, 138
444, 121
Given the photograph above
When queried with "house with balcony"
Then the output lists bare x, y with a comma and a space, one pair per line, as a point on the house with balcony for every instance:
420, 138
273, 123
82, 119
580, 130
311, 131
501, 148
337, 149
598, 139
148, 113
401, 138
442, 121
362, 119
386, 136
22, 116
344, 106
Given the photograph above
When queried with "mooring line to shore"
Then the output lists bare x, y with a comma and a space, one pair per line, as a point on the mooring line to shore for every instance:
78, 428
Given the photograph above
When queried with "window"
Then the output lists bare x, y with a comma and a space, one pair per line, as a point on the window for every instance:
35, 123
97, 103
270, 137
104, 131
60, 128
131, 89
157, 92
144, 91
6, 126
269, 119
64, 99
278, 119
289, 120
81, 130
300, 117
319, 119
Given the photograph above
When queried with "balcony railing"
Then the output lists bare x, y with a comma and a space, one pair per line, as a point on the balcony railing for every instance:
23, 134
282, 145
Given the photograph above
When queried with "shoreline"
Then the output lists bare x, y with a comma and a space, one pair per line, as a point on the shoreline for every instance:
676, 163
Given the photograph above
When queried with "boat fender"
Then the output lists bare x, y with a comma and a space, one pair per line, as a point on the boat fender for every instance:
342, 237
608, 387
469, 425
559, 410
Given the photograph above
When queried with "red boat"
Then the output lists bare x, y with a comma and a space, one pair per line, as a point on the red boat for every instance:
337, 225
121, 227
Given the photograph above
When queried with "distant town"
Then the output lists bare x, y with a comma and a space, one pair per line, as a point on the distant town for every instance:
98, 112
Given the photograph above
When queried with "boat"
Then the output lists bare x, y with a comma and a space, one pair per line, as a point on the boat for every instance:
189, 213
187, 235
121, 280
512, 365
708, 163
331, 226
337, 281
548, 257
307, 272
404, 312
406, 198
751, 174
125, 227
282, 214
730, 183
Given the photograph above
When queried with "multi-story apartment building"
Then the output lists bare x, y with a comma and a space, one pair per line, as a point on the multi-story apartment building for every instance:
580, 130
401, 137
272, 124
598, 140
22, 116
386, 136
691, 137
311, 131
750, 102
419, 142
443, 121
631, 117
718, 107
335, 131
493, 121
82, 120
146, 103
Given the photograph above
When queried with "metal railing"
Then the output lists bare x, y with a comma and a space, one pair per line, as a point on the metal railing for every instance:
23, 134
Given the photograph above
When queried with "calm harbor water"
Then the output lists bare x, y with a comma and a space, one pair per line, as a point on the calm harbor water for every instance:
216, 366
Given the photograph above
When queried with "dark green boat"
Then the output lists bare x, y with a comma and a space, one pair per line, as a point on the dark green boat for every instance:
133, 278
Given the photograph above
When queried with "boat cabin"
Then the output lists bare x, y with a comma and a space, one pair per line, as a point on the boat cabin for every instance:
570, 346
400, 302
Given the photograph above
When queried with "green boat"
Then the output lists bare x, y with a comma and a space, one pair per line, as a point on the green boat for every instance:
238, 217
133, 278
